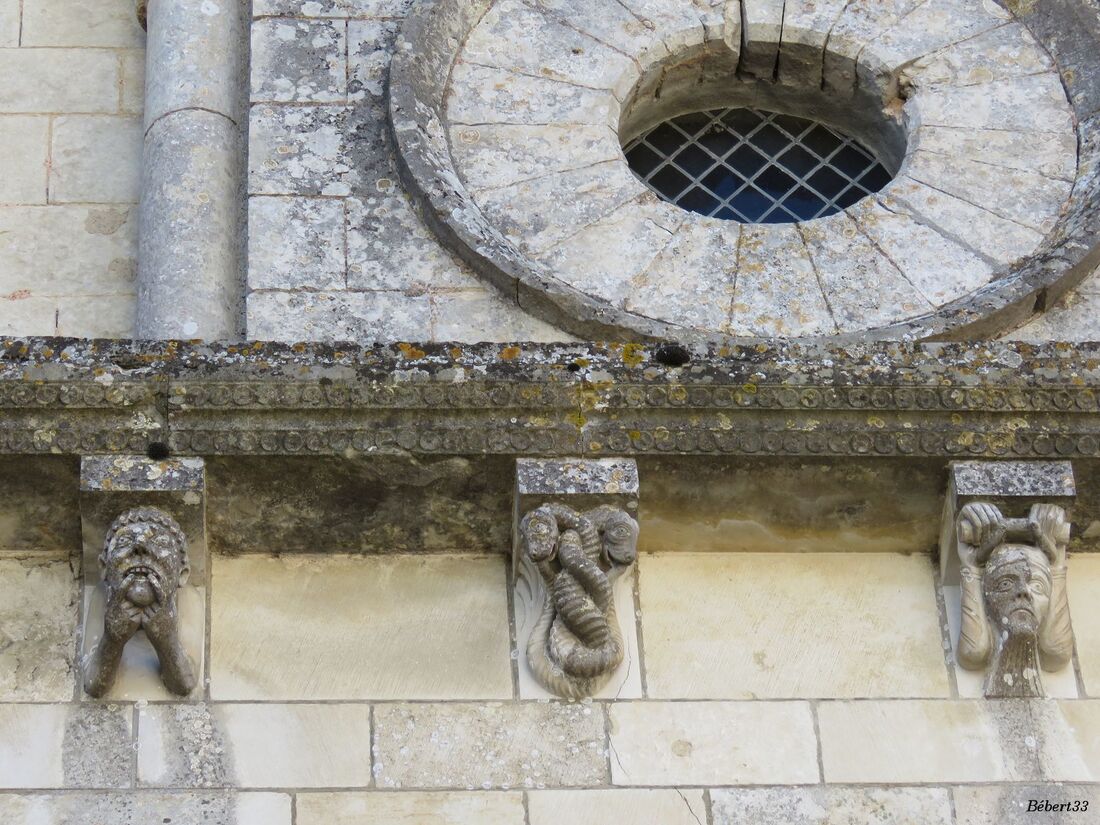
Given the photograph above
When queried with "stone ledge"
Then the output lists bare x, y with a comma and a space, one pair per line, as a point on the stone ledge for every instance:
79, 397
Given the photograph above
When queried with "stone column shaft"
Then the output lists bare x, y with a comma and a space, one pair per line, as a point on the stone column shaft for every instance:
189, 282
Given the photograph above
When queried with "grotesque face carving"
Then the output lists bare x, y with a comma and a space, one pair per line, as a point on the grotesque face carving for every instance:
1017, 588
539, 530
144, 558
620, 537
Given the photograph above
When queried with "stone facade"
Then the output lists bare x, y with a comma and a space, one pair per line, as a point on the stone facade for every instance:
617, 571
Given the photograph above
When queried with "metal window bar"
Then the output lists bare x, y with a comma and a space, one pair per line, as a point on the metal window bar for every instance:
862, 174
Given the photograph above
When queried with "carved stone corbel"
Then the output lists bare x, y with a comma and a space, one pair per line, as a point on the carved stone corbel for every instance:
144, 530
1015, 610
144, 564
568, 563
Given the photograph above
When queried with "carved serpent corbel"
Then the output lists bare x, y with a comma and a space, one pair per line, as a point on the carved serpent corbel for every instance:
577, 643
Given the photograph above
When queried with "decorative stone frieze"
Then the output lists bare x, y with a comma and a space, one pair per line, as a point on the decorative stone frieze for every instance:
1015, 609
1004, 401
567, 564
144, 531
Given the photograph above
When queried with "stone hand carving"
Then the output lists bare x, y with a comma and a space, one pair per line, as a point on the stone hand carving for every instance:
577, 644
1015, 612
144, 563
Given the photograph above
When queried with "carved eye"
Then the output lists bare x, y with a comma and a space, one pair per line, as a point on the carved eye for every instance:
621, 532
1039, 587
1006, 584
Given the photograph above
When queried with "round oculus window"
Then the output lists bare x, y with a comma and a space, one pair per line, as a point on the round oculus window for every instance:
755, 166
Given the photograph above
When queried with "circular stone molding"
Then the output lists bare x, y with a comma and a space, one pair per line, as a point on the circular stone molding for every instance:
510, 117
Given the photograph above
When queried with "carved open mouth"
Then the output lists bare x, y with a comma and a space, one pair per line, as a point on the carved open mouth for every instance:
144, 571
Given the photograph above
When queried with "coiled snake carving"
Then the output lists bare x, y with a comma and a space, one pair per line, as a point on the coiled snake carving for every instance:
577, 644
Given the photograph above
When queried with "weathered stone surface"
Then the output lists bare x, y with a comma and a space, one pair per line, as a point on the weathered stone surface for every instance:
693, 277
712, 743
779, 626
9, 23
65, 746
1011, 479
1009, 804
132, 80
831, 806
1084, 604
928, 741
296, 243
495, 155
74, 250
338, 316
24, 147
110, 23
59, 80
299, 61
930, 26
485, 94
260, 505
1068, 737
459, 316
438, 808
615, 24
777, 291
300, 150
370, 44
1051, 155
616, 251
254, 746
1000, 240
1004, 52
938, 267
639, 807
1019, 196
861, 22
189, 267
513, 35
762, 32
291, 628
807, 25
199, 50
390, 248
37, 506
763, 505
119, 808
862, 286
38, 614
529, 745
540, 213
95, 159
997, 105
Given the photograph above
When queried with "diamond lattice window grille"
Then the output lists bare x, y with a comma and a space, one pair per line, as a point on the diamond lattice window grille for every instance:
754, 166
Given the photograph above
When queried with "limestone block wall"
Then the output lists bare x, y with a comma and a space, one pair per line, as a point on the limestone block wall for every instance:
336, 251
348, 689
71, 90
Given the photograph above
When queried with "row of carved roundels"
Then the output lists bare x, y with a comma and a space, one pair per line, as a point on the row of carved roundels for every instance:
860, 443
478, 395
535, 441
383, 395
46, 394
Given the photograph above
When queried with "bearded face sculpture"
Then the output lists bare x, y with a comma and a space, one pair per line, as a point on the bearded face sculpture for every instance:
1015, 609
577, 643
144, 563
